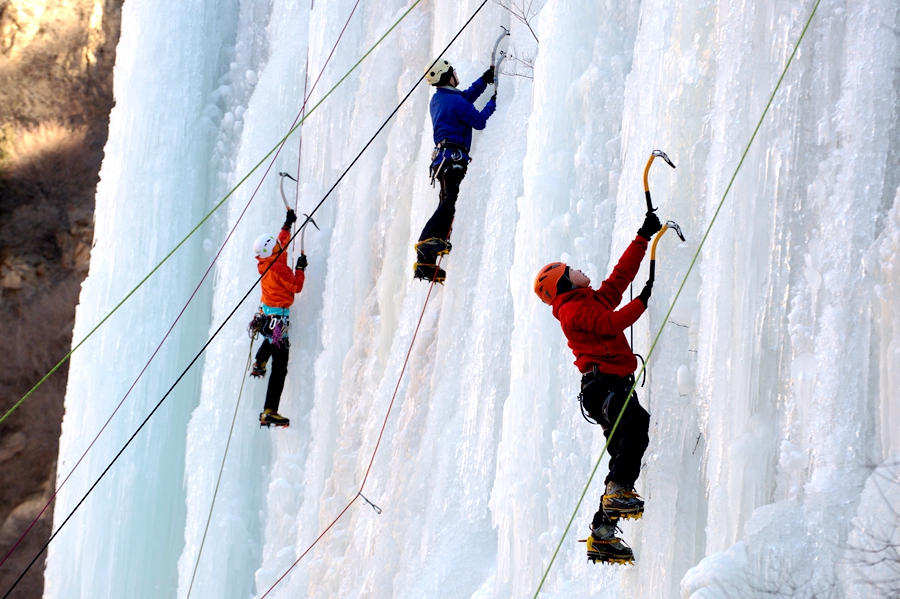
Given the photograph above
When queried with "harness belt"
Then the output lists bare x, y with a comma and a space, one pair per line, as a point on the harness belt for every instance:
614, 384
444, 150
449, 145
594, 374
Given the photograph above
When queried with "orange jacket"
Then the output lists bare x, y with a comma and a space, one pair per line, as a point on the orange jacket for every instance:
280, 283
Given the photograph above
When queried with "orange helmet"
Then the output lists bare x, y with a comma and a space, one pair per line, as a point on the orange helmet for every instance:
547, 280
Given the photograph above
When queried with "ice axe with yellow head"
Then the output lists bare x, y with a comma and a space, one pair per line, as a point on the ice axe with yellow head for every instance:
650, 210
653, 156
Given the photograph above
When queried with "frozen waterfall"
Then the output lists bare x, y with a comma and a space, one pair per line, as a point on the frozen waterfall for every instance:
774, 391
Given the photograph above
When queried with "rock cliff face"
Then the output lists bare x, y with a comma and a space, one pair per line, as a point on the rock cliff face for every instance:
56, 68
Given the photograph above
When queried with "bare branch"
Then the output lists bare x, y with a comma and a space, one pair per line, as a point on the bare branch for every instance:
523, 11
527, 63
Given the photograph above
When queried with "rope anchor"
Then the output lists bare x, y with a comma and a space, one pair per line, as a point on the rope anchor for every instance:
374, 507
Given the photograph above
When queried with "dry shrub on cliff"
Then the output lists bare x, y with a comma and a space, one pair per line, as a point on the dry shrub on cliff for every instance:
45, 201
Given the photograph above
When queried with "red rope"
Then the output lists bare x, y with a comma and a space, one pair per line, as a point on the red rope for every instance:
377, 443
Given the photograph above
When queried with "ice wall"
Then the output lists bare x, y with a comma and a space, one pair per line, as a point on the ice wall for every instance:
773, 390
154, 188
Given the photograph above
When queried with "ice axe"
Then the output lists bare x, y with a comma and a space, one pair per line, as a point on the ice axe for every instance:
308, 220
496, 45
671, 224
653, 156
281, 188
494, 62
497, 69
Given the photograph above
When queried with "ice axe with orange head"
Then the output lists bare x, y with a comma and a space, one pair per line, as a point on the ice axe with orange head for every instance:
653, 156
650, 209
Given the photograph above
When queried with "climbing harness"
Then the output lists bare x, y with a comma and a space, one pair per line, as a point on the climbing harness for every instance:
273, 327
595, 376
680, 289
444, 151
256, 324
276, 329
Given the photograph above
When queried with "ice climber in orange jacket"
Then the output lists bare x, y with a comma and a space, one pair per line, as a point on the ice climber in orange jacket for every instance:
279, 285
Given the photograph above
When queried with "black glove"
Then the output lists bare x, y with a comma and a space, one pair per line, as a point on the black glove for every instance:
644, 295
650, 227
302, 262
494, 97
488, 76
290, 219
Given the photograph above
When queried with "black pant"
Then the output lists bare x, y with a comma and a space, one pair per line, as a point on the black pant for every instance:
279, 354
602, 400
450, 176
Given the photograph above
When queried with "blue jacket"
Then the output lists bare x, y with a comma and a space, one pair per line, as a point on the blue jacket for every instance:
453, 116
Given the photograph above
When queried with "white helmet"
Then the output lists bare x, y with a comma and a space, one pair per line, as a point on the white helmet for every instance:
264, 246
434, 72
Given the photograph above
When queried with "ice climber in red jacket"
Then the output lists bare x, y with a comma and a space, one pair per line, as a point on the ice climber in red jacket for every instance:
595, 329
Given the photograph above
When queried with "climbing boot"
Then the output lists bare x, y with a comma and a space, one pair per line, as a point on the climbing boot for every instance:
258, 370
429, 272
622, 502
273, 418
605, 547
431, 248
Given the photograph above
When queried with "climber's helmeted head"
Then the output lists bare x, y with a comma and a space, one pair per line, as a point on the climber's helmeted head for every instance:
557, 278
265, 246
441, 73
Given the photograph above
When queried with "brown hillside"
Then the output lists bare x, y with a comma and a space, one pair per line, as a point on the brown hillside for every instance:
56, 59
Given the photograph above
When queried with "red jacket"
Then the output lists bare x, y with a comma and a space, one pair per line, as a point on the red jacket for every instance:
593, 326
281, 283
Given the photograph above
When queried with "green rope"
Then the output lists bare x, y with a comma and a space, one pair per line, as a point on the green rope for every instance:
205, 218
221, 468
677, 295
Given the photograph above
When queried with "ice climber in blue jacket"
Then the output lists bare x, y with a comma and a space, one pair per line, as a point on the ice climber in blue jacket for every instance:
453, 116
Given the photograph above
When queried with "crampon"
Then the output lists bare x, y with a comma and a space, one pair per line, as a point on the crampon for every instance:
429, 272
271, 418
622, 502
609, 551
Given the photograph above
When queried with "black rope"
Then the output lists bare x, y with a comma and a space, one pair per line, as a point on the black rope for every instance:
234, 311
